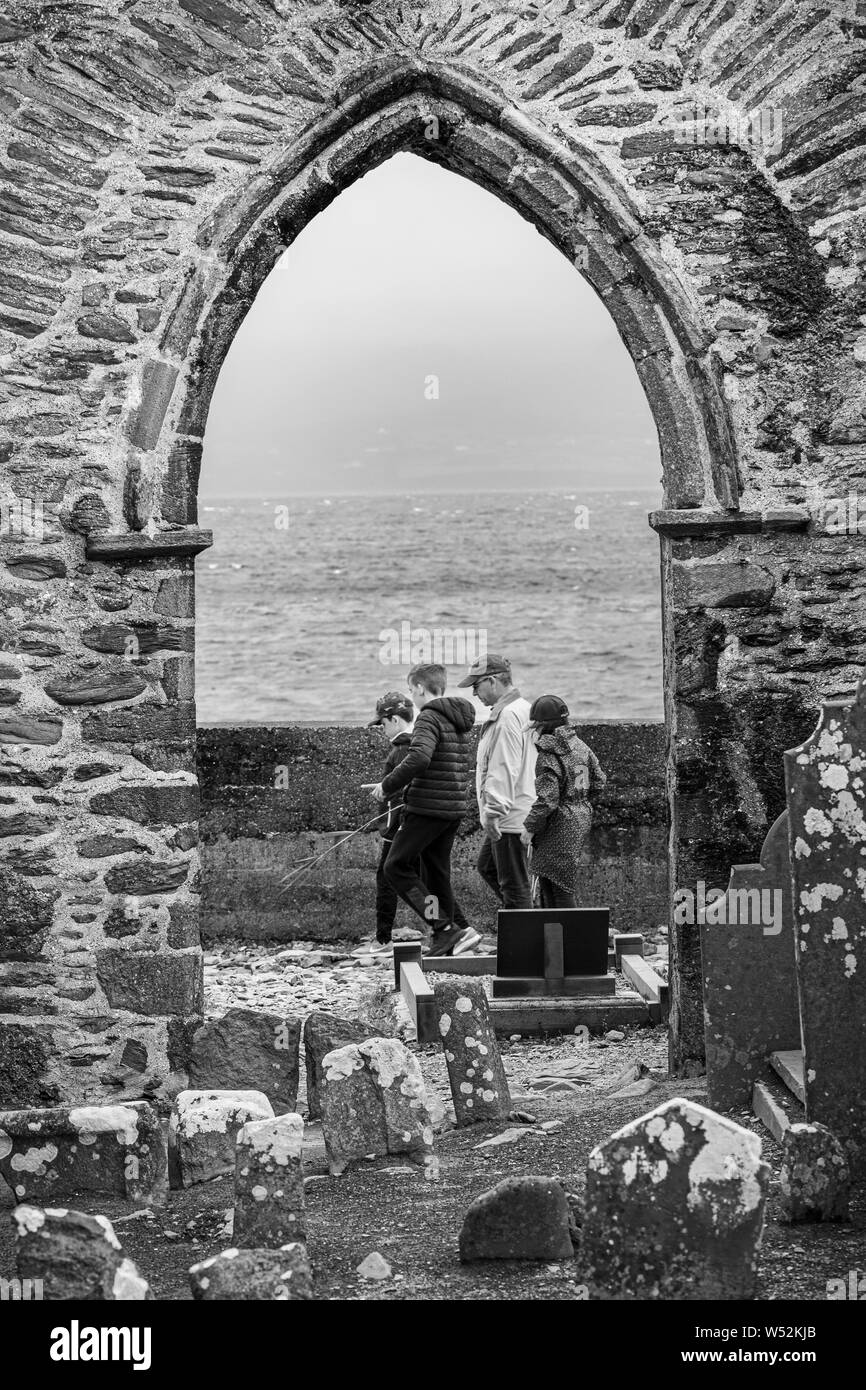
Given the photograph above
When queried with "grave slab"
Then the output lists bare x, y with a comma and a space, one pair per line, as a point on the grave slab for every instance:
675, 1207
74, 1256
525, 1218
479, 1087
269, 1183
324, 1033
118, 1150
374, 1103
750, 978
203, 1131
248, 1050
826, 789
245, 1276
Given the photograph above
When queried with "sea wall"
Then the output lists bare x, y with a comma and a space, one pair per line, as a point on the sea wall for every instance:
272, 795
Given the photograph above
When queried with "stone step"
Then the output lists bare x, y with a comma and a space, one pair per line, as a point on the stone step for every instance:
564, 1015
789, 1066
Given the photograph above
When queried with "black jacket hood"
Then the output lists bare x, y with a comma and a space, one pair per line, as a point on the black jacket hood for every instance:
455, 709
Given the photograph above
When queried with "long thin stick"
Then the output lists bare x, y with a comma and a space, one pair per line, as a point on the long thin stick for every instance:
291, 879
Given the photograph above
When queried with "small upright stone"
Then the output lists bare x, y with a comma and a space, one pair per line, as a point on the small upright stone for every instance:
478, 1083
324, 1033
675, 1207
519, 1219
247, 1049
815, 1177
74, 1256
203, 1130
117, 1150
278, 1276
374, 1103
269, 1183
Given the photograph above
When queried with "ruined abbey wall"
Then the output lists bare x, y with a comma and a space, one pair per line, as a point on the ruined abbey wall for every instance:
700, 162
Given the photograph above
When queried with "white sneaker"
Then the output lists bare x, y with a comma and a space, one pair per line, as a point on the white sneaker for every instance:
374, 948
468, 941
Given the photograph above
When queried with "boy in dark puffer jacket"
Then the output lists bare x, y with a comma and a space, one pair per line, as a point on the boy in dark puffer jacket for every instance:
435, 773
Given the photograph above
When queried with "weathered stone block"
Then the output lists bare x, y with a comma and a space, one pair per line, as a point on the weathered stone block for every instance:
27, 916
157, 385
738, 584
324, 1033
95, 687
522, 1218
165, 805
479, 1087
39, 567
75, 1257
815, 1179
249, 1049
114, 1149
151, 982
280, 1276
23, 729
269, 1183
675, 1207
141, 877
203, 1130
374, 1103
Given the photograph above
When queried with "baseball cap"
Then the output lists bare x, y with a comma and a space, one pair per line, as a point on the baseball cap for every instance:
488, 665
548, 708
392, 703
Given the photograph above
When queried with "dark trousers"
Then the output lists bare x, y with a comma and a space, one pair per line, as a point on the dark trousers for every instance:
387, 899
427, 839
554, 896
502, 864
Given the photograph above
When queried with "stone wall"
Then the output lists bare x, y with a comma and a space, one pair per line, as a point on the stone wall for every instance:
271, 796
156, 162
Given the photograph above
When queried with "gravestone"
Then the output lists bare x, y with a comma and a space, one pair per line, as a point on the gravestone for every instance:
324, 1033
525, 1218
552, 952
479, 1087
269, 1183
74, 1256
826, 786
374, 1103
248, 1050
675, 1207
244, 1276
815, 1177
118, 1150
750, 978
203, 1131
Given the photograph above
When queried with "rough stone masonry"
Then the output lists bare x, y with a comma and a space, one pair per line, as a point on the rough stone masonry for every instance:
700, 164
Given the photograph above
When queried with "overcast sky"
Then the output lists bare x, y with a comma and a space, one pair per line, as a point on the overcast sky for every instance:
412, 274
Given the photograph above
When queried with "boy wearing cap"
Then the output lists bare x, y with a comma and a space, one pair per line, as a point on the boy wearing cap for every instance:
504, 780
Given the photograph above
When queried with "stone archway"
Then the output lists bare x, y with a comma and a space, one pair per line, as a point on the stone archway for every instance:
156, 166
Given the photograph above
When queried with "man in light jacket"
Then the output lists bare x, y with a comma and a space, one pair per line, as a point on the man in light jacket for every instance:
504, 779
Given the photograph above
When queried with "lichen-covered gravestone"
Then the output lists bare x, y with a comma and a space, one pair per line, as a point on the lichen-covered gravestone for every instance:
479, 1086
236, 1276
248, 1050
269, 1183
203, 1131
74, 1256
750, 977
815, 1178
826, 785
118, 1150
675, 1207
374, 1103
324, 1033
525, 1218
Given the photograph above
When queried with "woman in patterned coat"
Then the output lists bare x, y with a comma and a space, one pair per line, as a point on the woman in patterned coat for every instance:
567, 776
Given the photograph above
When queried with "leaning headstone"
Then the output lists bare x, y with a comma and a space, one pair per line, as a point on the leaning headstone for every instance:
522, 1218
114, 1150
203, 1129
324, 1033
269, 1183
280, 1276
248, 1050
675, 1207
374, 1103
750, 977
815, 1179
478, 1083
75, 1256
826, 789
